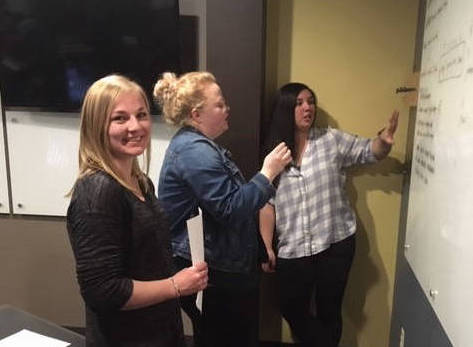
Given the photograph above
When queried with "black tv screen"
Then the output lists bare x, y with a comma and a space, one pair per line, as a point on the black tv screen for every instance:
52, 50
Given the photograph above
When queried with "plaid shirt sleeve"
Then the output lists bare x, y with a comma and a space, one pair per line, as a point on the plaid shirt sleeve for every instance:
353, 149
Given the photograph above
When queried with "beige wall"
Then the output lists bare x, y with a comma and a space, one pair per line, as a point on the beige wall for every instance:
37, 269
354, 54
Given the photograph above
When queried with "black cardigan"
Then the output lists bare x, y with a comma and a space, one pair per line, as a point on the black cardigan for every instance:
115, 238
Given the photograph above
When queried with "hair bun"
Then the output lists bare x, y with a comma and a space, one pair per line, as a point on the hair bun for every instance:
165, 88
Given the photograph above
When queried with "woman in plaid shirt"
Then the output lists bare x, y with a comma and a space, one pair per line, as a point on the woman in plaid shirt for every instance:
311, 214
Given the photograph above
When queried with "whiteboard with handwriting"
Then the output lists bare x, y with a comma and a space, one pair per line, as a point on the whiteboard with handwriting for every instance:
43, 150
439, 239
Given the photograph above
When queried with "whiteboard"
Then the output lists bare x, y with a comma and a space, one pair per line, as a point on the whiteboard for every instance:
43, 160
4, 203
43, 150
439, 239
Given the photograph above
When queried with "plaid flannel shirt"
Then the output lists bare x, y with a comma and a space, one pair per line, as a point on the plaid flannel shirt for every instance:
311, 204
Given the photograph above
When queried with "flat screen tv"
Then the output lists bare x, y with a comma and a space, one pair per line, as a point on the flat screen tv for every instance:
52, 50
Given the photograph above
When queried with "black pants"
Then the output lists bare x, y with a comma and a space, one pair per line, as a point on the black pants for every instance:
319, 281
230, 310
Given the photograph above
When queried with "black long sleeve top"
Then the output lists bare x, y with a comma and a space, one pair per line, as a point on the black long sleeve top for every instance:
116, 238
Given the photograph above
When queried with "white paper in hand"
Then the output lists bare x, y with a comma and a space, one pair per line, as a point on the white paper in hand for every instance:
196, 240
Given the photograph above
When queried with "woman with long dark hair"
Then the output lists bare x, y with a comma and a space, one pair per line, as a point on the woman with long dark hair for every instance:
310, 219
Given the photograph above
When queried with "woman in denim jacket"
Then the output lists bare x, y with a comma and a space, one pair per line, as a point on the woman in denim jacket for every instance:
197, 172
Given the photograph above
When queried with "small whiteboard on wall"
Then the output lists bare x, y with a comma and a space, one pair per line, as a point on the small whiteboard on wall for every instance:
43, 150
4, 203
43, 160
439, 239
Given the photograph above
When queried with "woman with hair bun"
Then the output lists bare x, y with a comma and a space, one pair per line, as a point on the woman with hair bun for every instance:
197, 172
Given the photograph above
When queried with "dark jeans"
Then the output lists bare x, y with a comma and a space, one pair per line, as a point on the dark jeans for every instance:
230, 308
319, 281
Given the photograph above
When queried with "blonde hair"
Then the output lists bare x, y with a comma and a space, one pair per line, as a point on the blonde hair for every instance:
179, 96
94, 146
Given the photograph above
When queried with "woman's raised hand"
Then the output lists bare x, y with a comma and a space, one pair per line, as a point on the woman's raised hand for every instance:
276, 161
387, 134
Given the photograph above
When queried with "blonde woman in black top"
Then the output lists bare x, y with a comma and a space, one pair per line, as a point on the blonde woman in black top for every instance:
117, 230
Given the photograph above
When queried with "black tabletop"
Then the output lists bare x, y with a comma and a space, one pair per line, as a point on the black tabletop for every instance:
13, 320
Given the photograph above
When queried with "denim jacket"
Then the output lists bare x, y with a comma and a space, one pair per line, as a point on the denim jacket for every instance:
197, 172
